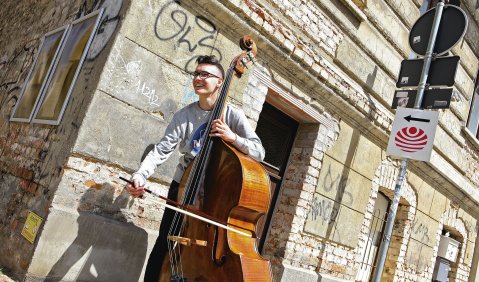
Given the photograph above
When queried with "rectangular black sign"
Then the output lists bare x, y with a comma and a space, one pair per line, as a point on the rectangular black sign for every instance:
441, 73
432, 99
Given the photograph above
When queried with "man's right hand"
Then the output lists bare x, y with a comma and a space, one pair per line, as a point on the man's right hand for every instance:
135, 190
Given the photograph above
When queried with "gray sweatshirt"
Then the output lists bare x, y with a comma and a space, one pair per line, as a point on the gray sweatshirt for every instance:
187, 129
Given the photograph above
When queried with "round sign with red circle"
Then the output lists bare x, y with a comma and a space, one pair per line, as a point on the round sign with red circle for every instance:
410, 139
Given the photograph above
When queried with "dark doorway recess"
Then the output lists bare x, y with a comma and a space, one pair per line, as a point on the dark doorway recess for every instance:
277, 131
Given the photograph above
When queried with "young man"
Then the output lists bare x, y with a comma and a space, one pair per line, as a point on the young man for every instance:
186, 130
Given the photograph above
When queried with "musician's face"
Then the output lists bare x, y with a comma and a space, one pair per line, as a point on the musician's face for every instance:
206, 79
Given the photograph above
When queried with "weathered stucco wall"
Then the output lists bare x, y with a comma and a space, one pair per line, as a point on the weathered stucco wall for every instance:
343, 189
338, 58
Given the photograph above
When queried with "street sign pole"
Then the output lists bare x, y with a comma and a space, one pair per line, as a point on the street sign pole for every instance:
428, 56
402, 173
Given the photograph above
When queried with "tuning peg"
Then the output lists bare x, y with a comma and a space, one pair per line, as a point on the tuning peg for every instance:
251, 57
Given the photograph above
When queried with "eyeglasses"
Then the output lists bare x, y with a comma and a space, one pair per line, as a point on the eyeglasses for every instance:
202, 74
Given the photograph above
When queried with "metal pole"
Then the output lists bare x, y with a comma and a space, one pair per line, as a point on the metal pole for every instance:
429, 54
390, 223
402, 173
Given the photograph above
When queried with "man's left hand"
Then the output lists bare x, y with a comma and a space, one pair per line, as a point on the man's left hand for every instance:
222, 130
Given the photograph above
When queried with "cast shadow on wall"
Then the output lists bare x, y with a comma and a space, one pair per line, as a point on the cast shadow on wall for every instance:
106, 248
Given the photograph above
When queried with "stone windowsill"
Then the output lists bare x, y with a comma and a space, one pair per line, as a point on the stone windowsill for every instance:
353, 7
471, 137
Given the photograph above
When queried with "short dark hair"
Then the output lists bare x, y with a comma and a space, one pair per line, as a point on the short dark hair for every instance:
211, 60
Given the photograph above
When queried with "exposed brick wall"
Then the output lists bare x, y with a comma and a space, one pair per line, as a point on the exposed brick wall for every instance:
450, 222
23, 147
304, 16
472, 157
287, 243
94, 187
384, 181
309, 56
395, 266
253, 99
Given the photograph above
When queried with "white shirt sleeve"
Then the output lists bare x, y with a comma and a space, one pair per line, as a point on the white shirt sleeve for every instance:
247, 141
160, 152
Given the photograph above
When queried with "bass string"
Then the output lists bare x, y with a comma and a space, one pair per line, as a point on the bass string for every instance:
200, 161
194, 180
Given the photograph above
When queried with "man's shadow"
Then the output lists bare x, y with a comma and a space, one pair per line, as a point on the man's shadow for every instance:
110, 249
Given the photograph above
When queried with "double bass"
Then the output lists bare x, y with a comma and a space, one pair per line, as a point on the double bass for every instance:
235, 190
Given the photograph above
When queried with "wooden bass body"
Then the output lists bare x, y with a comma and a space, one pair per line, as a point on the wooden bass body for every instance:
237, 191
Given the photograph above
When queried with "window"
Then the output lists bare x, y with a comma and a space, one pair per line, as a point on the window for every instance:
374, 239
50, 82
35, 81
473, 120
